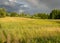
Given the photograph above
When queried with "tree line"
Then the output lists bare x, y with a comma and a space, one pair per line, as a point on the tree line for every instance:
54, 14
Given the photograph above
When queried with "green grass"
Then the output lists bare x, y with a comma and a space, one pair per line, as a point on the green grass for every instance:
26, 30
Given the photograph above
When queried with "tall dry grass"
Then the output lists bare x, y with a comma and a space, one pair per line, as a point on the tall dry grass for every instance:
26, 30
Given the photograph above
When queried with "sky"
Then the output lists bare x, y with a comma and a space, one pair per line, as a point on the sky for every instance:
32, 6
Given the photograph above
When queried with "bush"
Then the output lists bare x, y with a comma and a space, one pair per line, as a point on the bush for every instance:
40, 16
25, 15
22, 15
13, 14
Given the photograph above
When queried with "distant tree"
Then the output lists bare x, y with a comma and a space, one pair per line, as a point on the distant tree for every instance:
22, 15
7, 14
2, 12
28, 15
13, 14
55, 14
40, 16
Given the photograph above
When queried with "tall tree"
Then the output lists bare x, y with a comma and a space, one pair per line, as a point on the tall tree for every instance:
55, 14
2, 12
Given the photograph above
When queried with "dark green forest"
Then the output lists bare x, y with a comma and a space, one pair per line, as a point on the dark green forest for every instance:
54, 14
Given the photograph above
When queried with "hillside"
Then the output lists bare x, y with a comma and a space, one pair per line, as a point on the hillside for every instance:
26, 30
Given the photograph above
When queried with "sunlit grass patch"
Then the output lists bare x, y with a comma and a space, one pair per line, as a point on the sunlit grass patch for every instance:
26, 30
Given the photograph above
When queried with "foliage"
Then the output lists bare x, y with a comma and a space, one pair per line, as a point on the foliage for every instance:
13, 14
40, 16
22, 15
2, 12
55, 14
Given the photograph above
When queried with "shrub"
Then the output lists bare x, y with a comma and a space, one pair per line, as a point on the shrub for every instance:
13, 14
40, 16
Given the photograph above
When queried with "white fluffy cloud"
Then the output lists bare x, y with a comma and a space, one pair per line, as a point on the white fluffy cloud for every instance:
20, 11
24, 5
12, 0
6, 3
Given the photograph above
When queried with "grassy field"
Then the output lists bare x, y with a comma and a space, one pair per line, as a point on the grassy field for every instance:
26, 30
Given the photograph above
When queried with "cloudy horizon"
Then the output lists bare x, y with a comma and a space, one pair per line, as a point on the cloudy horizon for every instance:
31, 6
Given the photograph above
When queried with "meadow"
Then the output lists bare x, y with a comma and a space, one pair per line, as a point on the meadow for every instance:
27, 30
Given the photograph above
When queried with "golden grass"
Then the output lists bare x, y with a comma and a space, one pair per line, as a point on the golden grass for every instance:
14, 19
18, 28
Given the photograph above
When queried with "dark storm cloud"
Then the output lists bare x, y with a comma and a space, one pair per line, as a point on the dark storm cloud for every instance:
46, 5
12, 5
51, 3
31, 5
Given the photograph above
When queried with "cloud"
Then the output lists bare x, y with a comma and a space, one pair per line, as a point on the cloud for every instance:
51, 3
13, 0
24, 6
20, 11
37, 4
6, 3
46, 5
32, 5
